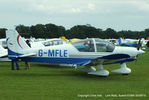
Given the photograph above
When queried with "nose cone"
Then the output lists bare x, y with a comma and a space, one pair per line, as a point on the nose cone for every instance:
140, 52
131, 51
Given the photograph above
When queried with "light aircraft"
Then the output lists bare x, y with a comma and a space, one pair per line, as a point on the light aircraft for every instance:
52, 42
3, 54
48, 42
132, 42
75, 39
88, 53
3, 43
113, 41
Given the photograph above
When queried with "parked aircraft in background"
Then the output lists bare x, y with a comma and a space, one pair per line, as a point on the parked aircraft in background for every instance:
3, 54
47, 42
52, 42
74, 40
113, 41
132, 42
87, 52
3, 43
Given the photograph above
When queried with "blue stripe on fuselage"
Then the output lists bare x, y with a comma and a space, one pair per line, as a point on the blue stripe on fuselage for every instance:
78, 61
69, 60
129, 44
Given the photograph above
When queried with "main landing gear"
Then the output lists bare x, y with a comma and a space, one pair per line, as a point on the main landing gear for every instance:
102, 72
91, 70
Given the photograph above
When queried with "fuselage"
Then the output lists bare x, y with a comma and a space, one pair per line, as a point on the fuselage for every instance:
82, 53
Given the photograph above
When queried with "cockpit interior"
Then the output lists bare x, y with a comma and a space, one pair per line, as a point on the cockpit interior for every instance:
93, 45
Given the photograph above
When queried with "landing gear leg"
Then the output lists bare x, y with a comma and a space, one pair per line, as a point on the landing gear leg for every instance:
122, 70
100, 71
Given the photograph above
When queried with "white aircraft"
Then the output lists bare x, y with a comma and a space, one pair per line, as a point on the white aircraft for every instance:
52, 42
87, 52
3, 43
46, 42
113, 41
3, 54
132, 42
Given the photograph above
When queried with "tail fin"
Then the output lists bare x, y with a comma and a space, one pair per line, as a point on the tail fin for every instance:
16, 45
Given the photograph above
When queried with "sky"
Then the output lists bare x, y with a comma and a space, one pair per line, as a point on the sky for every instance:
116, 14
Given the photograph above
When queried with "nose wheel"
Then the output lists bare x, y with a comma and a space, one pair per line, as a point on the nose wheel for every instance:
122, 70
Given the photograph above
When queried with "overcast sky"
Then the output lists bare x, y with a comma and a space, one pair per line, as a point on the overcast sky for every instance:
116, 14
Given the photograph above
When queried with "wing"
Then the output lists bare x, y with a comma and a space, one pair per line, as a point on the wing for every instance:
109, 59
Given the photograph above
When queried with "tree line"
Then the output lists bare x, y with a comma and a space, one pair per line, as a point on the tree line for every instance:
78, 31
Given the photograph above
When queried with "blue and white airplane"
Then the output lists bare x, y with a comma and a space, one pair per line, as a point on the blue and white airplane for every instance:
87, 52
131, 42
3, 54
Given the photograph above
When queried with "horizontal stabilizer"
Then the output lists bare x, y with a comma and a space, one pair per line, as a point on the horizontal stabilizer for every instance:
28, 55
3, 52
3, 55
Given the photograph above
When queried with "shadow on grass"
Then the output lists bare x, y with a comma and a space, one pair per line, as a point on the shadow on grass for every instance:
66, 72
74, 75
112, 76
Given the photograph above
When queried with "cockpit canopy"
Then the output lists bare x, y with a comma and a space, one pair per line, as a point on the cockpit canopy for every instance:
53, 42
93, 45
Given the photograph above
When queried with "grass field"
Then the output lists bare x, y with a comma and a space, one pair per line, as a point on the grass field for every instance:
53, 82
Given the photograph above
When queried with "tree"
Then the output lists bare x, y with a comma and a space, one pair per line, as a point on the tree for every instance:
110, 33
84, 31
38, 31
78, 31
54, 31
146, 31
24, 30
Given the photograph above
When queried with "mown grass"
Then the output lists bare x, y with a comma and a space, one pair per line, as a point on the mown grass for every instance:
53, 82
